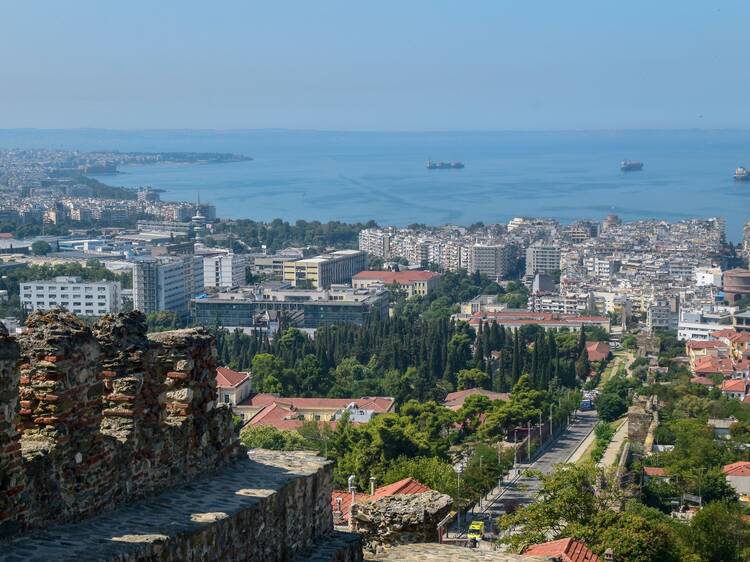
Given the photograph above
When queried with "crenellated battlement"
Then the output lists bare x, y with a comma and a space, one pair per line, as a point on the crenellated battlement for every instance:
91, 418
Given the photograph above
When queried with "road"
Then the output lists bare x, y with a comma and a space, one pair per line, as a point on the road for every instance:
523, 490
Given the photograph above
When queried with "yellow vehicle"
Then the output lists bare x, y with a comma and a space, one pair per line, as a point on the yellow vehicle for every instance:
476, 530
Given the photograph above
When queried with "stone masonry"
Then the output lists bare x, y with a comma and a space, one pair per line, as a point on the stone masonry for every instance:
104, 416
113, 447
400, 519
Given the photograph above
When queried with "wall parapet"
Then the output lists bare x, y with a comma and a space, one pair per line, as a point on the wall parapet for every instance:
92, 418
266, 506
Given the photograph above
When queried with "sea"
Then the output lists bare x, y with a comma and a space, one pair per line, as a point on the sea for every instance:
359, 176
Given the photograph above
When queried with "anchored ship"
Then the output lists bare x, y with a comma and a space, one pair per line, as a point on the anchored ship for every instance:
631, 166
742, 174
444, 165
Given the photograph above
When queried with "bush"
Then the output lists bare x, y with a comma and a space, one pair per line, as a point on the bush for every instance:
610, 406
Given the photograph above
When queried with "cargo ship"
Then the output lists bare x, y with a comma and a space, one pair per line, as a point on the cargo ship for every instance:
444, 165
631, 166
742, 174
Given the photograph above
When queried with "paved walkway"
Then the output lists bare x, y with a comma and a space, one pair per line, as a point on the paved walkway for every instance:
612, 454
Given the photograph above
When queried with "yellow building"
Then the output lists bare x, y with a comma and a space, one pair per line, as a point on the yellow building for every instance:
325, 270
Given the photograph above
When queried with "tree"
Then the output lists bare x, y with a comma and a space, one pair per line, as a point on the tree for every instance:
268, 437
267, 371
430, 471
718, 532
566, 500
610, 406
472, 378
41, 248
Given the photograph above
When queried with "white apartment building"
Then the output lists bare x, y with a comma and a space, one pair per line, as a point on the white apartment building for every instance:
662, 314
86, 298
708, 276
166, 283
224, 271
698, 324
570, 303
542, 257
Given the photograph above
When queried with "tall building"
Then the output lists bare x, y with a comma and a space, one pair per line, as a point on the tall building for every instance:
375, 242
493, 260
166, 283
325, 270
87, 298
542, 257
224, 271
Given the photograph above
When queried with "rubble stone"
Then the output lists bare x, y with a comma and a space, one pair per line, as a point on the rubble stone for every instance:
400, 519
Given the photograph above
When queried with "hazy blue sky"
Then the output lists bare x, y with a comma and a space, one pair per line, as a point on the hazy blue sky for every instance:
395, 65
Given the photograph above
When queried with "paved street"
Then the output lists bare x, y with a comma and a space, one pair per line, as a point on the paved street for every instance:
524, 489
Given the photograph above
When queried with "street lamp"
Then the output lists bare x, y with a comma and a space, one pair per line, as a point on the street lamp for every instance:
460, 471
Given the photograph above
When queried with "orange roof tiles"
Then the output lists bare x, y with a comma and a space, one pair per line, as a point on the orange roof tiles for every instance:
379, 404
741, 468
568, 550
705, 381
227, 378
734, 385
597, 350
654, 471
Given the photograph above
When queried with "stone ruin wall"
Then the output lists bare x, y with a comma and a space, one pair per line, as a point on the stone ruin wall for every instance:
90, 418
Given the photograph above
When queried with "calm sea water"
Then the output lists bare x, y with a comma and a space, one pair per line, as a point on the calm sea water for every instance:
381, 176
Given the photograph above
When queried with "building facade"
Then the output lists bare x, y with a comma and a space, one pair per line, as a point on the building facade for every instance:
542, 257
223, 271
325, 270
86, 298
166, 283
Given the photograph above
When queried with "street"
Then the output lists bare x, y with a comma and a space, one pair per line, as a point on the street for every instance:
524, 489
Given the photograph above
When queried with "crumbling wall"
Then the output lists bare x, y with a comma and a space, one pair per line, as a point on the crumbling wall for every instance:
105, 415
400, 519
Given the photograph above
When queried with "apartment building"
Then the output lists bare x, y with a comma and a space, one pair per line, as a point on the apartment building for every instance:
542, 257
166, 283
325, 270
86, 298
223, 271
493, 260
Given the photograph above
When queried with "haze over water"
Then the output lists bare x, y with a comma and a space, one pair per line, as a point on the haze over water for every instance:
360, 176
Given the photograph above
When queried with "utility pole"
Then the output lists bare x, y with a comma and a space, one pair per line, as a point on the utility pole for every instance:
541, 427
528, 441
460, 470
551, 429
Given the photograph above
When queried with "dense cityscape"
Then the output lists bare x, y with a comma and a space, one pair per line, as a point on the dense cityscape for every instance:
448, 368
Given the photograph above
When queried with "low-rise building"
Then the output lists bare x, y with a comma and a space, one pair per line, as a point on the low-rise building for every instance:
232, 386
303, 308
86, 298
413, 282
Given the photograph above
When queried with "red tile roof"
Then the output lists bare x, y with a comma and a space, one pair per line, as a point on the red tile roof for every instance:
741, 468
405, 486
379, 404
654, 471
454, 400
400, 277
567, 550
227, 378
709, 365
703, 380
733, 385
705, 344
278, 416
597, 350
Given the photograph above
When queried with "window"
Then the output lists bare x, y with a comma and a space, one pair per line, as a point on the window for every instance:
226, 398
